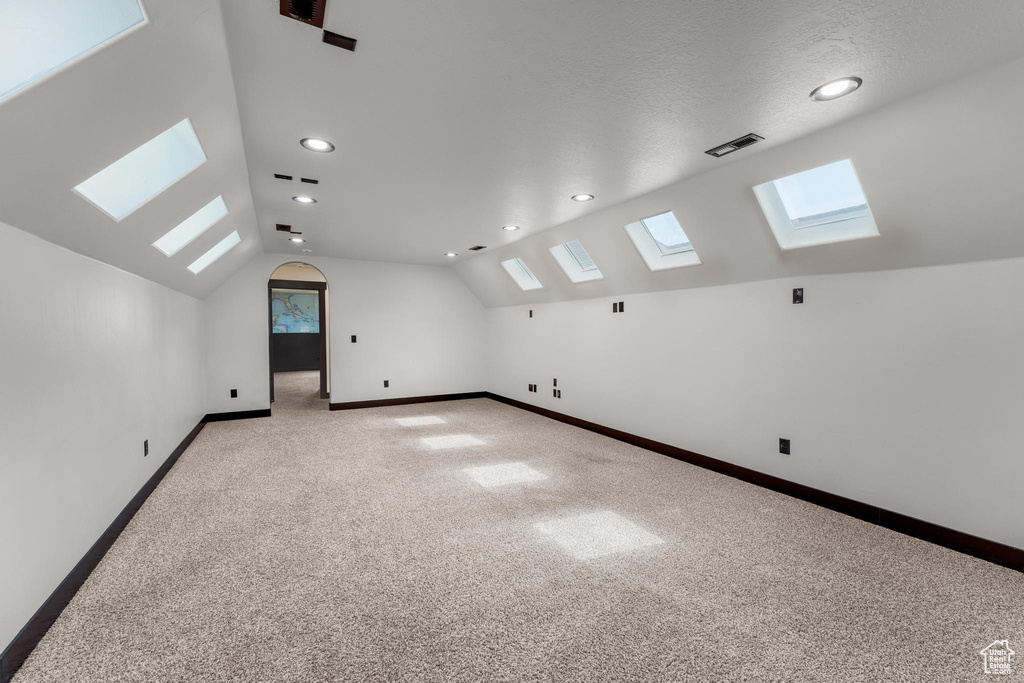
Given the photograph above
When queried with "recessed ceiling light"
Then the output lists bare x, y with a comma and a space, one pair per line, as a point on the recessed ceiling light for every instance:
582, 197
451, 254
303, 199
316, 145
835, 89
298, 240
510, 228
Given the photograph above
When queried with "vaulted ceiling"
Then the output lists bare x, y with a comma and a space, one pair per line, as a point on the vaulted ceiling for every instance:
455, 117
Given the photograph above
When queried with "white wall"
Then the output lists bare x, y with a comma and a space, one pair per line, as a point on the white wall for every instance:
417, 326
902, 388
93, 361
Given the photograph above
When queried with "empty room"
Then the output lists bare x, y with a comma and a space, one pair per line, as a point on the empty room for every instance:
545, 340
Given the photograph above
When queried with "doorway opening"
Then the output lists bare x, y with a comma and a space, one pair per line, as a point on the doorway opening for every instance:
298, 309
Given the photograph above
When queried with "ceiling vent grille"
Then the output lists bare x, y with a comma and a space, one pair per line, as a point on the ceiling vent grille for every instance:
281, 176
477, 248
283, 228
311, 181
733, 145
307, 11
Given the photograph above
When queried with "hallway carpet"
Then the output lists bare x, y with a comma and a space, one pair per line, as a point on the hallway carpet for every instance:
339, 546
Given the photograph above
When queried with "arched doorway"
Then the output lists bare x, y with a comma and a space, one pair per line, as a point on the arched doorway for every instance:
298, 307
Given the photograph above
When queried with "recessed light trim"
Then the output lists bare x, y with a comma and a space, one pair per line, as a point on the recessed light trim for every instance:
582, 197
451, 254
297, 240
303, 199
316, 145
510, 228
835, 89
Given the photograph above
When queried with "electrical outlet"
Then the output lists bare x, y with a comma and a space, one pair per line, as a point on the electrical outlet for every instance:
531, 312
615, 307
798, 295
387, 384
622, 307
554, 393
145, 448
559, 392
353, 339
784, 446
554, 382
234, 393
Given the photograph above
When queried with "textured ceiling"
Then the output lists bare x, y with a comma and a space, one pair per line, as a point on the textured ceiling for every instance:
455, 117
938, 170
67, 127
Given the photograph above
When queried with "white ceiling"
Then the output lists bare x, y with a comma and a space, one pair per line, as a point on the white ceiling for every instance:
67, 127
938, 169
455, 117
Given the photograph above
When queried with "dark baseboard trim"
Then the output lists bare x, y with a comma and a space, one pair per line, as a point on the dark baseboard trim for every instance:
21, 647
237, 415
998, 553
377, 403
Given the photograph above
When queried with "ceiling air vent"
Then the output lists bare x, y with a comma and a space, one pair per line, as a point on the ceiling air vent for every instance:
730, 147
338, 40
477, 248
307, 11
284, 228
281, 176
310, 181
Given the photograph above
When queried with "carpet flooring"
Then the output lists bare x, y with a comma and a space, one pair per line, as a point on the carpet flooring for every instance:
341, 546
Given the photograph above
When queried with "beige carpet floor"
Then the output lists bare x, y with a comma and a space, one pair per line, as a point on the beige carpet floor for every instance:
341, 546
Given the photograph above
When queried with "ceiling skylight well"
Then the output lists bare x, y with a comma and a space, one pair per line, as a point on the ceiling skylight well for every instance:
192, 227
662, 243
42, 36
576, 262
145, 172
523, 276
221, 248
822, 205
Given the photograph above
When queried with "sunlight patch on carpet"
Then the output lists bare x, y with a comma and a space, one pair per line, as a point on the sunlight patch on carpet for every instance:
490, 476
451, 441
419, 421
597, 534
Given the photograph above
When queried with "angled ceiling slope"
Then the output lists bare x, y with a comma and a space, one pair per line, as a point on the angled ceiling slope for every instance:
92, 112
456, 117
938, 170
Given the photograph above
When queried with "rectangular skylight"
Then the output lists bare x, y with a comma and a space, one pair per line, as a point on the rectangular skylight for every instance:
145, 172
662, 242
192, 227
523, 276
41, 37
576, 262
667, 234
218, 250
822, 205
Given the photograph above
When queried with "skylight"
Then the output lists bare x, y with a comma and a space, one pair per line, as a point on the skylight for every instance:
221, 248
576, 262
192, 227
822, 205
145, 172
521, 274
41, 37
662, 243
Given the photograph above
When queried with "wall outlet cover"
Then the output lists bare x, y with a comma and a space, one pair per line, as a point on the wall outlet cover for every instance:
145, 448
234, 393
784, 446
387, 383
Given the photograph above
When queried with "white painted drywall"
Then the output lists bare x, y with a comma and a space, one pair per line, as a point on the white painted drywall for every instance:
417, 326
901, 388
93, 361
938, 169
